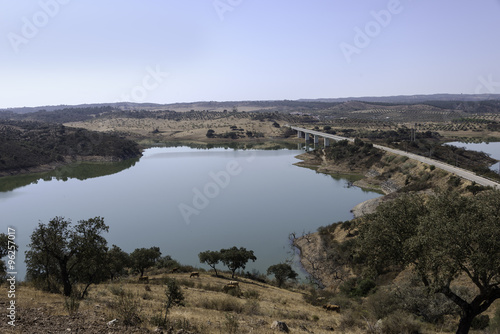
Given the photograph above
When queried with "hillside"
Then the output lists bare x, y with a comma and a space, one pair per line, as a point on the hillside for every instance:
34, 146
207, 308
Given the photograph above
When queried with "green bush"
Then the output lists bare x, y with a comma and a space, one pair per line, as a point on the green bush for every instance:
357, 287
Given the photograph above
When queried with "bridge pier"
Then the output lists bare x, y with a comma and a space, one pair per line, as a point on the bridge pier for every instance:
316, 139
306, 136
299, 134
327, 141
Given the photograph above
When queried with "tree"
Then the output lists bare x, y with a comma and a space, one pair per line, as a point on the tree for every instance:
235, 258
282, 272
118, 260
212, 258
143, 258
167, 262
456, 238
210, 133
61, 254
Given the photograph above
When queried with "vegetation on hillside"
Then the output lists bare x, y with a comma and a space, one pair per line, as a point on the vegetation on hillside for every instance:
30, 144
428, 257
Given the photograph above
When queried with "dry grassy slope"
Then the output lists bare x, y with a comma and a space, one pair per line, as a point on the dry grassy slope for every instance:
42, 312
178, 130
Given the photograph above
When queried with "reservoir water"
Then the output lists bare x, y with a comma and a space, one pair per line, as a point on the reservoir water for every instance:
491, 148
185, 201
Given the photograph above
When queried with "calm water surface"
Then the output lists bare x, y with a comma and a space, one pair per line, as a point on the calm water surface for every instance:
251, 199
492, 148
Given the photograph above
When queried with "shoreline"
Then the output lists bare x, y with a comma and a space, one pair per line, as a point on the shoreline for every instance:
310, 253
57, 164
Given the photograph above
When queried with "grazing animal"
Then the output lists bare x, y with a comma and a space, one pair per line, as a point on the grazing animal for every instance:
330, 307
194, 274
175, 270
235, 283
144, 279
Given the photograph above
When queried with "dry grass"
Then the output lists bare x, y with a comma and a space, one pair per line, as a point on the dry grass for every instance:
178, 130
206, 311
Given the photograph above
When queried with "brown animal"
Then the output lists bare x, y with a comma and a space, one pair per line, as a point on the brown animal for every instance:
330, 307
144, 279
194, 274
175, 270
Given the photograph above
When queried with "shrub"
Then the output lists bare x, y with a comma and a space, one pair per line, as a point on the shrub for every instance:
126, 308
116, 290
228, 304
400, 323
351, 319
251, 294
174, 293
231, 324
382, 303
187, 282
357, 287
252, 307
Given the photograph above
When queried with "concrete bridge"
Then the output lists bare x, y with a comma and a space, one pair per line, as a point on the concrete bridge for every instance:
463, 173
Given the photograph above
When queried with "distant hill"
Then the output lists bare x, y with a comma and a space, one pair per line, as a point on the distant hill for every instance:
302, 105
411, 99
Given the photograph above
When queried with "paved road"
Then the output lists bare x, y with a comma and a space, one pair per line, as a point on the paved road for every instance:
449, 168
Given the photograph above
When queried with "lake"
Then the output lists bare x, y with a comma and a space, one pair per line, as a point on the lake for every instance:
491, 148
185, 201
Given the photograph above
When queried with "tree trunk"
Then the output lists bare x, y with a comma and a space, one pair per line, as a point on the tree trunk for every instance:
66, 281
465, 323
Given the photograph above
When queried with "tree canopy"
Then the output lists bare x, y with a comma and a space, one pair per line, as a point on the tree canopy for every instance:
446, 238
143, 258
62, 254
282, 272
235, 258
211, 258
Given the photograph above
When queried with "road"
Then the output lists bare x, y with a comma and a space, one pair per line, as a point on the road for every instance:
465, 174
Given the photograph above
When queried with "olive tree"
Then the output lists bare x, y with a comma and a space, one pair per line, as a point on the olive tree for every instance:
452, 239
65, 254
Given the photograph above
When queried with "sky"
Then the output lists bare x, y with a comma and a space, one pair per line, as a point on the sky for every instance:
55, 52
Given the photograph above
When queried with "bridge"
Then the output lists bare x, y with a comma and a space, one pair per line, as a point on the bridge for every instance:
463, 173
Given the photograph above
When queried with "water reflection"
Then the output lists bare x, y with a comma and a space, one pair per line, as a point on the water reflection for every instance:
80, 171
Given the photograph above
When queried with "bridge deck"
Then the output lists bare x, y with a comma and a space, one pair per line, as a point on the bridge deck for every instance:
463, 173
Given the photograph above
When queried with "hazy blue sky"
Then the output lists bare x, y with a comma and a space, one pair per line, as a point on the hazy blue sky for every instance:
69, 52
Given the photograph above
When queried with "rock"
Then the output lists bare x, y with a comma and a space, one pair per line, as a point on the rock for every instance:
281, 326
378, 325
112, 322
